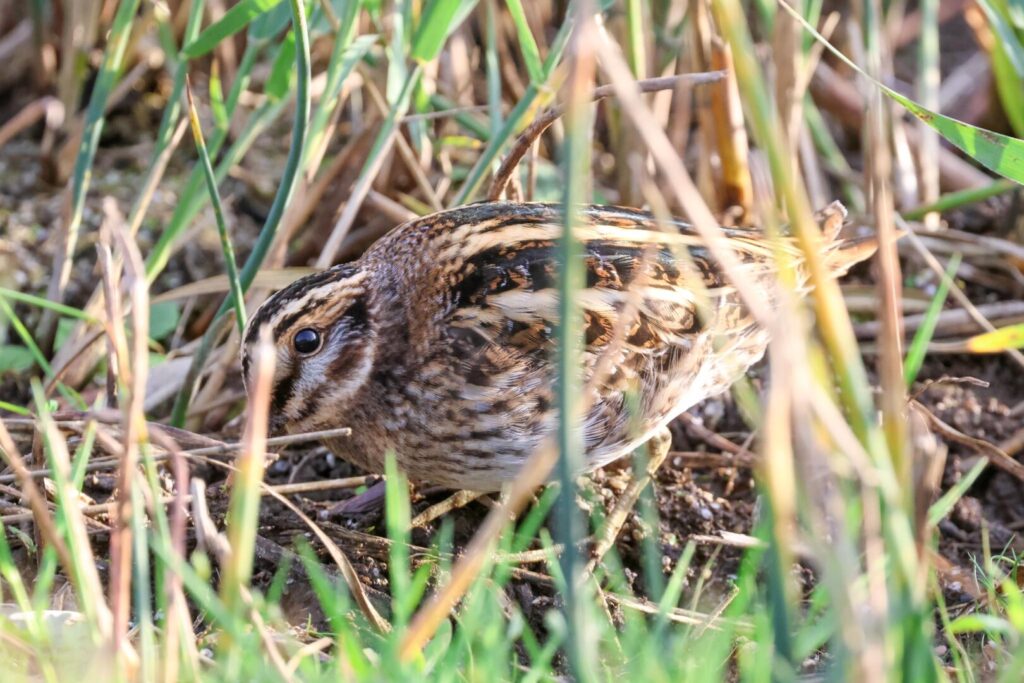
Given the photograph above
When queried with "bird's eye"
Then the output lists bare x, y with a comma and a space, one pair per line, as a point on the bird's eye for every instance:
306, 341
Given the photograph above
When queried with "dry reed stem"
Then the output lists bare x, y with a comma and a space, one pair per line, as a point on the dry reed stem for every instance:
953, 321
838, 96
119, 373
132, 363
180, 499
317, 646
312, 195
47, 108
405, 151
611, 63
355, 200
178, 618
218, 449
544, 120
730, 134
707, 171
878, 173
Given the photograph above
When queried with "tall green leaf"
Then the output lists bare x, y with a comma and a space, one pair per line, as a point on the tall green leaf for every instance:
233, 21
999, 153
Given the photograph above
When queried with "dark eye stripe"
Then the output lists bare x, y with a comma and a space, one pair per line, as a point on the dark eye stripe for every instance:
287, 322
283, 392
356, 315
295, 290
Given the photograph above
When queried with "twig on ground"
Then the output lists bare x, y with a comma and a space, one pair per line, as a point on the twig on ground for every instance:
453, 502
995, 454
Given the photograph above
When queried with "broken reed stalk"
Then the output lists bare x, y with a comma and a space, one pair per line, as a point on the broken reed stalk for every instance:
132, 361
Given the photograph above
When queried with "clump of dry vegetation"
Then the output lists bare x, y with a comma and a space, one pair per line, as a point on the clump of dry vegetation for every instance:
852, 510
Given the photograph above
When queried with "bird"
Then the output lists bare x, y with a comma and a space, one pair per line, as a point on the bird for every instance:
438, 344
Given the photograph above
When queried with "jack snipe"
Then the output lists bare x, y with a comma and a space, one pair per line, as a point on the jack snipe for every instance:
437, 344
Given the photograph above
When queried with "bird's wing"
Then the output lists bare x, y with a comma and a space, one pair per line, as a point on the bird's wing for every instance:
640, 296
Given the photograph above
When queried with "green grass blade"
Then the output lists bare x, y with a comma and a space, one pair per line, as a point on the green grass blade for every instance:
527, 43
397, 516
434, 27
919, 346
281, 199
955, 200
37, 354
17, 410
199, 589
944, 505
169, 120
636, 53
1008, 39
227, 249
141, 587
193, 198
1008, 79
220, 112
291, 167
492, 68
9, 572
569, 360
26, 337
68, 519
39, 301
281, 71
233, 21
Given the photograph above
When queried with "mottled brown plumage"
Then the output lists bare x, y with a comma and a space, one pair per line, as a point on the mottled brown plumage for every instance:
438, 343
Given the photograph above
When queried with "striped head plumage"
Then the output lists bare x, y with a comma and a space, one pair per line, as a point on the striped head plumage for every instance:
323, 340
